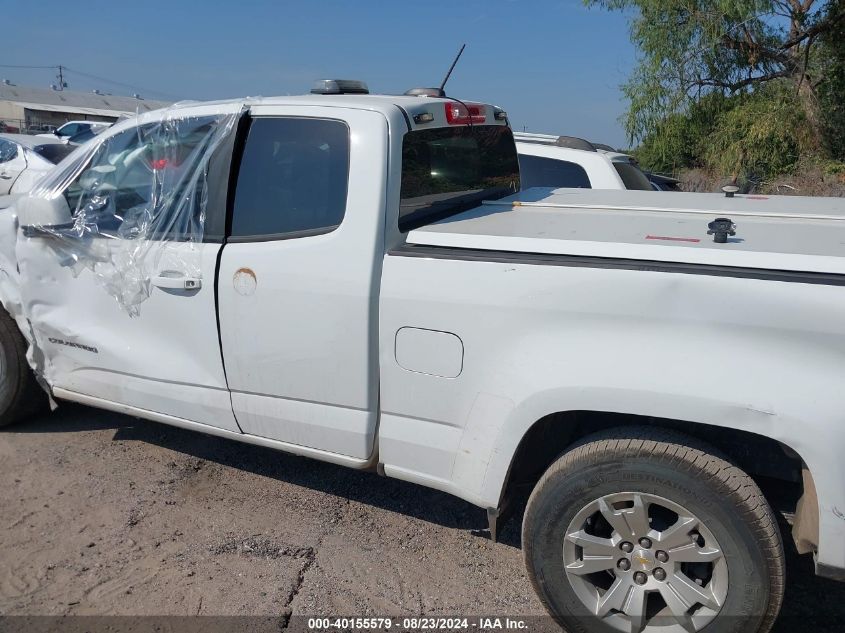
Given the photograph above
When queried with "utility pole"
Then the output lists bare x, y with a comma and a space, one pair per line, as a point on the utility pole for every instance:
61, 78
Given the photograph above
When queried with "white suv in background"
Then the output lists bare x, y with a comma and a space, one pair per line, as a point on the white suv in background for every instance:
546, 160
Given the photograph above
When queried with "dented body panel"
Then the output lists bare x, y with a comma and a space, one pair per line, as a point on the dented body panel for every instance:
167, 359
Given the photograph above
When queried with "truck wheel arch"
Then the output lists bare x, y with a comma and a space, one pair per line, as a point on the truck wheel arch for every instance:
548, 437
570, 414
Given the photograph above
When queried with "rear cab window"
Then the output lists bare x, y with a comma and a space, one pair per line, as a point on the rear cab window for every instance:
452, 169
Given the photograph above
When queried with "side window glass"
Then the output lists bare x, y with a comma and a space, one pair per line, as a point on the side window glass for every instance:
8, 151
136, 178
293, 178
548, 172
103, 191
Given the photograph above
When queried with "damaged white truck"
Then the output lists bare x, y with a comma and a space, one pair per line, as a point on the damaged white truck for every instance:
357, 278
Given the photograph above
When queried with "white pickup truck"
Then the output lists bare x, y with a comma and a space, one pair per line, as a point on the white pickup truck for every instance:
357, 278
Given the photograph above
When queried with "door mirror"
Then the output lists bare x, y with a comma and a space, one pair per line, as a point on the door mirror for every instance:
46, 212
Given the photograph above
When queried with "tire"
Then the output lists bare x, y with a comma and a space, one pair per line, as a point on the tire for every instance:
20, 395
704, 518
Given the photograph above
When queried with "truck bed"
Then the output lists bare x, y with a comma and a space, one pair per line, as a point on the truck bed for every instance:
772, 232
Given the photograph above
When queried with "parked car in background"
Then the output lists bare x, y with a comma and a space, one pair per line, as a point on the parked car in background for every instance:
24, 159
39, 128
659, 182
546, 160
78, 131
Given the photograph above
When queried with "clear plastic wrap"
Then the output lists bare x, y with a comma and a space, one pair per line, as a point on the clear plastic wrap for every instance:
131, 197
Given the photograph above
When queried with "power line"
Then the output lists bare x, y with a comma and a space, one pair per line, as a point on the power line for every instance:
119, 83
39, 67
61, 68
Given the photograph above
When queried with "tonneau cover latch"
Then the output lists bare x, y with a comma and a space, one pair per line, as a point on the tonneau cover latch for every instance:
720, 228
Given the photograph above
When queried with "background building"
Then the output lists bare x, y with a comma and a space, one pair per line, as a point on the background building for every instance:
33, 110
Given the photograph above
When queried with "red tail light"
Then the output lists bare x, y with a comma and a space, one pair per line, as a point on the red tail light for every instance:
159, 164
462, 114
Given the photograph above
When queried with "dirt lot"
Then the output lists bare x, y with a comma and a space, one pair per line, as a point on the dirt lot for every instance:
105, 514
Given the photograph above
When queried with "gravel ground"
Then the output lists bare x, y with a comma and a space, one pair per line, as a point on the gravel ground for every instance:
103, 514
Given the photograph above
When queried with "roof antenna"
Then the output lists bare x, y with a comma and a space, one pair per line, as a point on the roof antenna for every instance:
451, 68
437, 92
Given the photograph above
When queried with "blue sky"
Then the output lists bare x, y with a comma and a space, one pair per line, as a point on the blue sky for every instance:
555, 66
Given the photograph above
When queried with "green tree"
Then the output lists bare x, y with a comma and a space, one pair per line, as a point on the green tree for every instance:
680, 139
747, 53
831, 86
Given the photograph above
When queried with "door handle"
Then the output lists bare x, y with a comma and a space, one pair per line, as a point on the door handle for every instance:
176, 283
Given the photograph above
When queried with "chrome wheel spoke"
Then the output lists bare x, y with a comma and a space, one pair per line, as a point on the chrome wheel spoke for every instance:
616, 519
597, 554
692, 553
614, 598
678, 608
628, 523
593, 545
590, 565
677, 534
638, 517
690, 593
635, 608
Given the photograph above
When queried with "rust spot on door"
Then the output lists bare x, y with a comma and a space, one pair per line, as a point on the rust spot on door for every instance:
244, 281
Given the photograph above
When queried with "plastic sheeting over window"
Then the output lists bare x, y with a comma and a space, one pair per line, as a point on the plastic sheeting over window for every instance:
129, 195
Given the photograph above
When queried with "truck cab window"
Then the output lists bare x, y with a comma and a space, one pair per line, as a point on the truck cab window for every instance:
292, 180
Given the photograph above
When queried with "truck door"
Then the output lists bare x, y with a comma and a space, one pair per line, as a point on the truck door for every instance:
298, 280
121, 301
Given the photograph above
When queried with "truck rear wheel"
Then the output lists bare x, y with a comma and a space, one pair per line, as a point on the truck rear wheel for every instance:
20, 395
643, 529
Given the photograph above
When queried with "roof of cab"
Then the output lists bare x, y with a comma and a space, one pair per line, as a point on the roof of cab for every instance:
376, 102
394, 107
